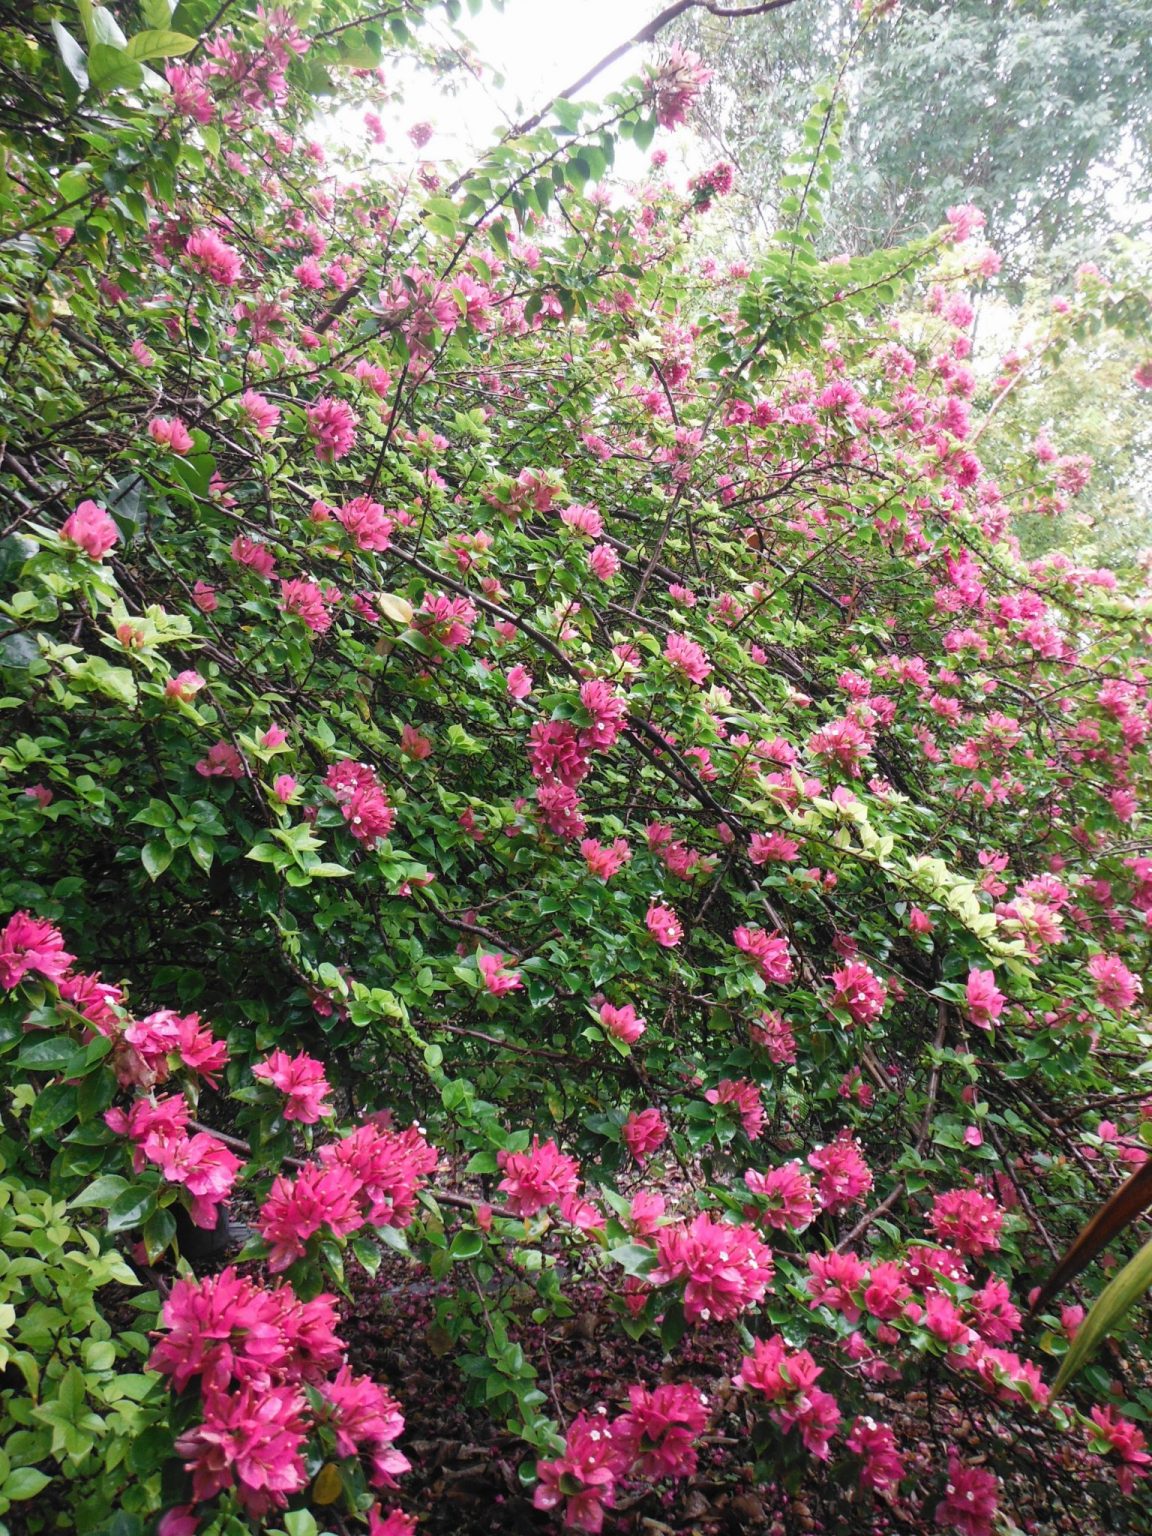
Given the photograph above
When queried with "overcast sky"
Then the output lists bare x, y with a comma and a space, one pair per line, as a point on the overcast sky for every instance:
538, 47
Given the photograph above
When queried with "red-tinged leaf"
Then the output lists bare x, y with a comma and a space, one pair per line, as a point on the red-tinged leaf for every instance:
1129, 1201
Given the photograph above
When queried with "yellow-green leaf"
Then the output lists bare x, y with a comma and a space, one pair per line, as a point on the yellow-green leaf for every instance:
1113, 1304
394, 607
159, 43
326, 1488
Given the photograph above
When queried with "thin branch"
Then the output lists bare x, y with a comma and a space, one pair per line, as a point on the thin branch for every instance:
647, 34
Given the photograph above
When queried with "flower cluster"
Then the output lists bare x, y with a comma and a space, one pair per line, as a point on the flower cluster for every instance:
362, 801
655, 1439
368, 1178
271, 1371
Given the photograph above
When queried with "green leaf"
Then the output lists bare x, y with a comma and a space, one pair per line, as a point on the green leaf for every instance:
158, 43
130, 1209
25, 1483
52, 1109
72, 55
157, 814
202, 850
156, 858
103, 27
467, 1245
673, 1326
101, 1192
110, 69
644, 132
367, 1253
1112, 1305
636, 1258
47, 1055
159, 1232
157, 13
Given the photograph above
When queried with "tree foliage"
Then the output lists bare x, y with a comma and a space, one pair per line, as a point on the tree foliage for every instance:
1037, 111
535, 770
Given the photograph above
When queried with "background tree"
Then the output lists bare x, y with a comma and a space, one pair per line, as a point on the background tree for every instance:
1038, 111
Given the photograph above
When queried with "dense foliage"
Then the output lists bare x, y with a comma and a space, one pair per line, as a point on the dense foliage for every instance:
540, 791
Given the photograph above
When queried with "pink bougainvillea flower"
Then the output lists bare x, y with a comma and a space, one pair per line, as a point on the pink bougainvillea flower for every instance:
970, 1499
90, 529
604, 562
657, 1431
447, 619
387, 1168
308, 274
180, 1520
258, 413
687, 657
604, 862
301, 1080
208, 255
883, 1465
676, 84
968, 1221
786, 1198
207, 1169
519, 683
623, 1022
332, 425
772, 847
362, 800
184, 686
964, 220
985, 1000
769, 951
284, 787
190, 94
225, 1328
414, 745
165, 1038
366, 1420
836, 1281
724, 1268
643, 1133
1109, 1434
394, 1523
774, 1033
844, 1175
29, 944
497, 980
586, 520
250, 1441
745, 1099
170, 432
222, 762
664, 925
368, 525
1116, 987
860, 992
321, 1197
542, 1175
310, 603
583, 1479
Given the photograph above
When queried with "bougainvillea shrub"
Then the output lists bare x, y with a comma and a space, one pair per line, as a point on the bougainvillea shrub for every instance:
544, 814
